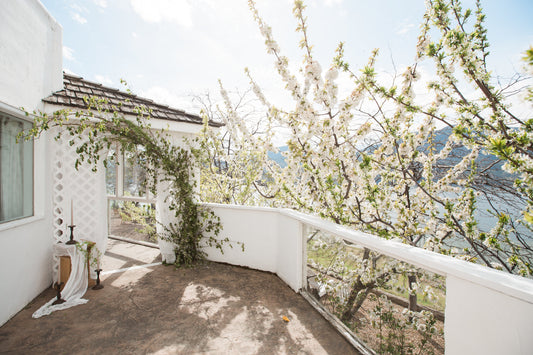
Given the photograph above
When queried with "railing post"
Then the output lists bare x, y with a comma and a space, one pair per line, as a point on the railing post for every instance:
290, 251
304, 232
480, 320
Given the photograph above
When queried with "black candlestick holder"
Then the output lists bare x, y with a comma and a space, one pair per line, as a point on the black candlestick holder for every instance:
98, 285
71, 241
57, 287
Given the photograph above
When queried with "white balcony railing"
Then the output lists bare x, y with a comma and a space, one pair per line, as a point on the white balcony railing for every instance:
487, 311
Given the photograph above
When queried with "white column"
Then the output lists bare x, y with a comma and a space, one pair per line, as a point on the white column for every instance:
164, 216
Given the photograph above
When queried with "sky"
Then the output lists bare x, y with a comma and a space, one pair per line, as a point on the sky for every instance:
172, 50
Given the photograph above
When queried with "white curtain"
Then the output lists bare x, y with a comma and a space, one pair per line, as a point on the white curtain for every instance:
12, 164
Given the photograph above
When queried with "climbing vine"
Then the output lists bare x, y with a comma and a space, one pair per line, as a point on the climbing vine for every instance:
89, 252
94, 130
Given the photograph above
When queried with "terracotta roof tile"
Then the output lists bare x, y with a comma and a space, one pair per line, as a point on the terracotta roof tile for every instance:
75, 88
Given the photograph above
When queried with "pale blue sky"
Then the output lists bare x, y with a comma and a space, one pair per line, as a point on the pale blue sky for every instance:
168, 49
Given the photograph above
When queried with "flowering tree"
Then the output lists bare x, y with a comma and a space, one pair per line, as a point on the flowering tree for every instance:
482, 121
231, 173
398, 187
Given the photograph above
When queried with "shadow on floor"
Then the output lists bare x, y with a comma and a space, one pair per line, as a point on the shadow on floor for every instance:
209, 309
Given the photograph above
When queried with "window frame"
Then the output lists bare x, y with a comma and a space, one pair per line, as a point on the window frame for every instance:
20, 115
120, 164
148, 197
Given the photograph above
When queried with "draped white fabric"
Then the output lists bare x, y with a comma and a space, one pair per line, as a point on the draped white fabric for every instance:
76, 285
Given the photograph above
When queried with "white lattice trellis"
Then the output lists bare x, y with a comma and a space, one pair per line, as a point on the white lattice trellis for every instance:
82, 188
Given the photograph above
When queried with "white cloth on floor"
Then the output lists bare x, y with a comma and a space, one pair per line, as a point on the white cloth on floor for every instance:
77, 283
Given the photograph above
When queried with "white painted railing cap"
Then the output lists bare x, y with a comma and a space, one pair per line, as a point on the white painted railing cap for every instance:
513, 285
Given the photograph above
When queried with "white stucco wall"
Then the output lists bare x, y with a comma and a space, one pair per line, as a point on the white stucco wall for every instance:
30, 53
257, 228
30, 69
272, 241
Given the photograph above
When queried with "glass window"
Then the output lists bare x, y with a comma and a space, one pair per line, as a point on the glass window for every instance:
132, 220
125, 176
134, 177
111, 173
16, 170
131, 208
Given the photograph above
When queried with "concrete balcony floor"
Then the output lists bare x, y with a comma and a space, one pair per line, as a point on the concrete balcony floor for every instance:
209, 309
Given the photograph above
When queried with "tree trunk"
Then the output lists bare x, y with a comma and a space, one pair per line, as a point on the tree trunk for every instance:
361, 299
357, 286
348, 312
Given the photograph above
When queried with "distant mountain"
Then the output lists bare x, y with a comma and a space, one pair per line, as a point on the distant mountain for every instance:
488, 164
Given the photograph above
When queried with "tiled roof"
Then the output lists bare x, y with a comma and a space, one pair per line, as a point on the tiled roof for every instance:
75, 88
